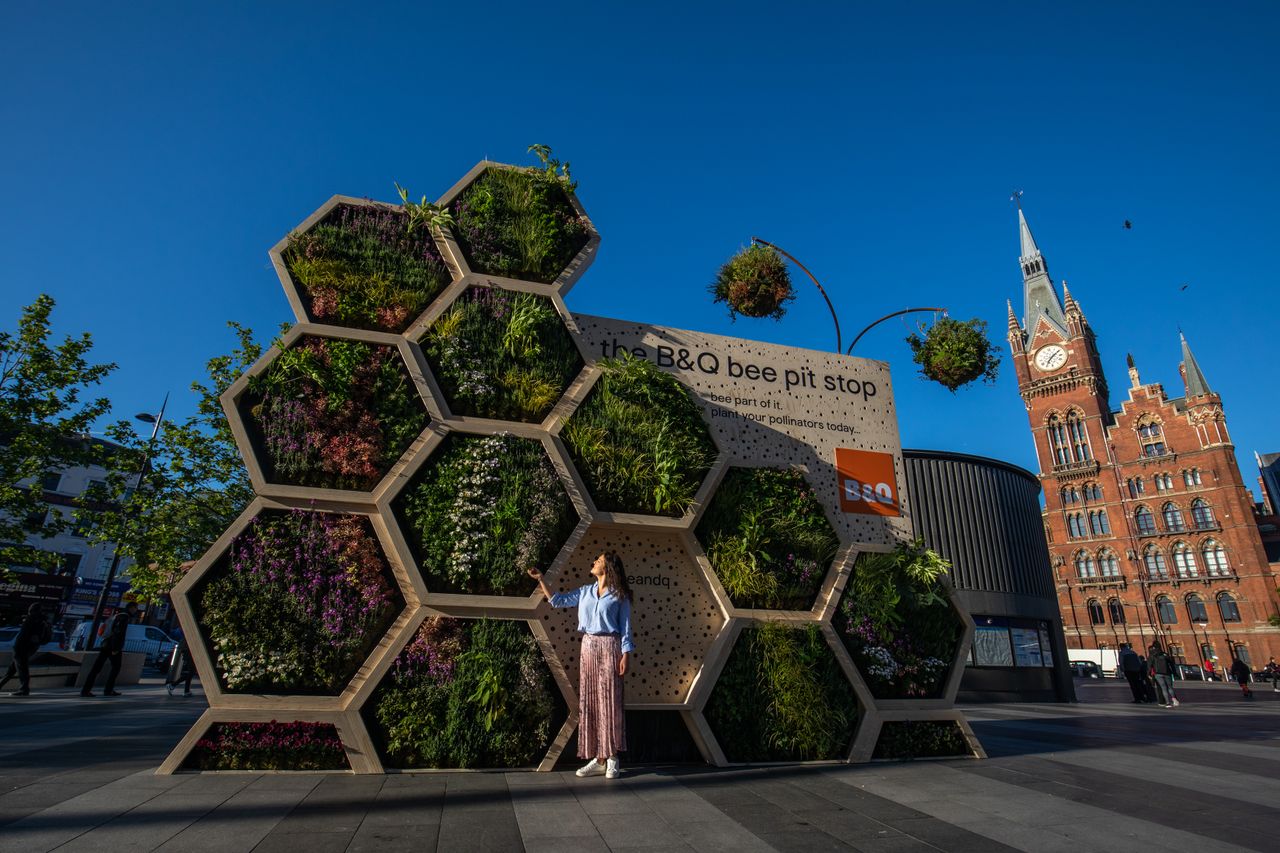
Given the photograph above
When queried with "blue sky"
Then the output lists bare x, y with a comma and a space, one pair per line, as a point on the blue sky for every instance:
153, 152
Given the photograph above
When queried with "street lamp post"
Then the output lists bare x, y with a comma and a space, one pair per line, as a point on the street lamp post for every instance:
156, 421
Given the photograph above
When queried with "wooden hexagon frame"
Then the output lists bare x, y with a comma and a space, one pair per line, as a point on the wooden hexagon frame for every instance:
345, 710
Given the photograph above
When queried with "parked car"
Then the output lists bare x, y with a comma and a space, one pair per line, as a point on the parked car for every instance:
8, 636
148, 639
1085, 669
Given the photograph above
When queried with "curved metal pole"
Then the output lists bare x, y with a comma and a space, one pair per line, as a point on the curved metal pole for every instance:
812, 278
887, 317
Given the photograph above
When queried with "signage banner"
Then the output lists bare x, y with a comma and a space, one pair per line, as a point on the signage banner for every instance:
30, 588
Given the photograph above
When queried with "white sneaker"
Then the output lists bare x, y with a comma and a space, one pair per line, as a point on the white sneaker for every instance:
591, 768
611, 769
170, 687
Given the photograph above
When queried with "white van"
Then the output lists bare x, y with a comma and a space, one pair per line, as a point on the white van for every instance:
148, 639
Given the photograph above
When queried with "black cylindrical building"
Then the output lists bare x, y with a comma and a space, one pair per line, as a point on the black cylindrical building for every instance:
983, 515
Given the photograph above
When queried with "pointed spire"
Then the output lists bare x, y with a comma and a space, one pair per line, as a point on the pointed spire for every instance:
1029, 248
1040, 299
1197, 385
1068, 304
1134, 381
1013, 318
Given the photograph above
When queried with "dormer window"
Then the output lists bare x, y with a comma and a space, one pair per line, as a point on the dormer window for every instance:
1151, 439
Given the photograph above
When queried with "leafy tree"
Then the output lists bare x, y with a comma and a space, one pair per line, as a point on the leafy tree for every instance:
194, 484
44, 424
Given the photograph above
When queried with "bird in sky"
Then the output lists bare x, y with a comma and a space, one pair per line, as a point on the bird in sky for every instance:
1128, 225
1184, 287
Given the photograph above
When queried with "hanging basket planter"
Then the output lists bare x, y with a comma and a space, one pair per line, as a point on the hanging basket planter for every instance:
754, 283
954, 352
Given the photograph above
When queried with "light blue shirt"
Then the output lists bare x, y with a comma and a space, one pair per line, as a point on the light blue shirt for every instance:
599, 614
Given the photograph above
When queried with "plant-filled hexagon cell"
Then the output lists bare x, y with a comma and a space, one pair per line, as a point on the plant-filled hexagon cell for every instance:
518, 223
296, 745
366, 267
767, 538
782, 696
908, 739
501, 354
897, 621
297, 603
639, 440
332, 413
481, 510
466, 693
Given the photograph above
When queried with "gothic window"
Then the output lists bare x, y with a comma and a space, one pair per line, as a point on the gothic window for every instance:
1172, 518
1079, 437
1075, 525
1153, 559
1165, 611
1058, 441
1215, 559
1228, 608
1195, 609
1145, 520
1134, 485
1191, 477
1151, 439
1202, 515
1164, 483
1184, 561
1098, 523
1069, 495
1108, 565
1092, 492
1117, 611
1096, 614
1084, 565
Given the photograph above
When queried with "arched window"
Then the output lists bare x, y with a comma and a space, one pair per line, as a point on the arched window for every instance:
1096, 614
1195, 609
1084, 565
1098, 523
1191, 477
1117, 611
1058, 440
1075, 525
1079, 437
1202, 515
1215, 559
1108, 565
1092, 492
1145, 521
1134, 484
1184, 562
1228, 608
1165, 611
1172, 518
1150, 439
1164, 483
1153, 559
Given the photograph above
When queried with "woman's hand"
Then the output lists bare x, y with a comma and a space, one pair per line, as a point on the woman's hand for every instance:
534, 573
622, 664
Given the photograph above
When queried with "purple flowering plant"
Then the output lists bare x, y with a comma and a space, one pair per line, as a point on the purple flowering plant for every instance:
294, 745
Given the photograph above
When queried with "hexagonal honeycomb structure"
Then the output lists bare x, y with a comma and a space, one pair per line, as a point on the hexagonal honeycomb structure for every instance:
357, 275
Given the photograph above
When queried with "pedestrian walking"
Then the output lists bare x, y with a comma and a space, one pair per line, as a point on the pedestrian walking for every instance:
181, 668
1131, 666
111, 651
1162, 674
34, 633
1272, 671
1240, 674
604, 620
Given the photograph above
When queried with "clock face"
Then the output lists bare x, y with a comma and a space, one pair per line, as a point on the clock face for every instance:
1051, 357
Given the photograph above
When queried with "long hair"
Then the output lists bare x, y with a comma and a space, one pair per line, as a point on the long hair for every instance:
615, 577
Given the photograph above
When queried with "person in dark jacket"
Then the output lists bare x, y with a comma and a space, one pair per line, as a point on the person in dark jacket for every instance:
1273, 672
1162, 673
1131, 666
111, 651
181, 668
1240, 674
33, 634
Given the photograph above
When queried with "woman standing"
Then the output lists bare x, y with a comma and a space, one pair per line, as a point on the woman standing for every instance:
604, 619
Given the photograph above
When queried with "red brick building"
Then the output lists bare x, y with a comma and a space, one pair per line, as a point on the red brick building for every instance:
1151, 530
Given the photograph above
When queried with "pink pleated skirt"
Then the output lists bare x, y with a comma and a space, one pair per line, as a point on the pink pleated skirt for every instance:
601, 726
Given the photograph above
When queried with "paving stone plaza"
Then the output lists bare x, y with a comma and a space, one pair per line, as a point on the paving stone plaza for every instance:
1098, 775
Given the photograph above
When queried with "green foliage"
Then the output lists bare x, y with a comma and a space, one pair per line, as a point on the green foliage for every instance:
481, 511
466, 693
897, 622
755, 283
519, 223
44, 426
767, 538
907, 739
269, 746
369, 267
423, 214
782, 697
500, 354
954, 352
639, 440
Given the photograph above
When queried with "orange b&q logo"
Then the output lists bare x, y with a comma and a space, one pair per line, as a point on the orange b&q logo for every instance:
867, 482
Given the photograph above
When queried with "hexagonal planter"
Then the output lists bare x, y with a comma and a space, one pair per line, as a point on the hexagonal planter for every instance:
782, 696
904, 740
638, 441
902, 630
520, 224
767, 539
356, 263
296, 603
466, 693
501, 354
293, 745
330, 413
481, 510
